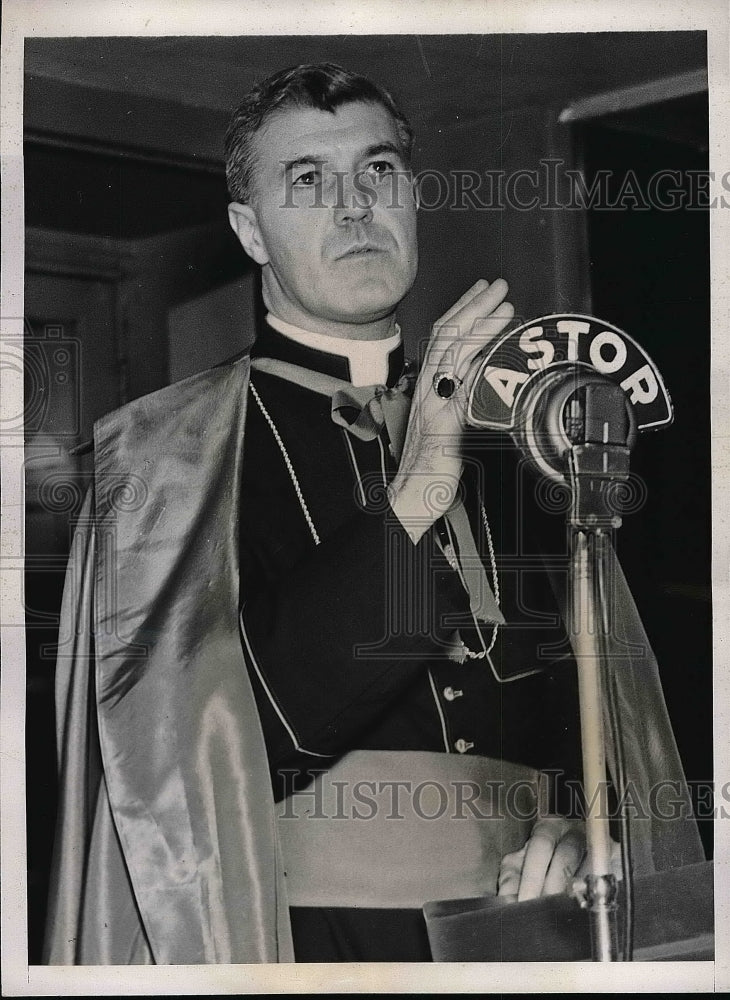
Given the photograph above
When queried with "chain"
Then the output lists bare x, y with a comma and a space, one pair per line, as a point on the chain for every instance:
490, 545
467, 653
287, 461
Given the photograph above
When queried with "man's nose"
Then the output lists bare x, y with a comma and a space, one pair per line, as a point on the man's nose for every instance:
353, 213
352, 205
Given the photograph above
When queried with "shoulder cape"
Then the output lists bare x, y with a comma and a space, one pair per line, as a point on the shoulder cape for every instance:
188, 869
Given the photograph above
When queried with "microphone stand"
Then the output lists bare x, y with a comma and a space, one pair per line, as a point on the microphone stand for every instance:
599, 427
598, 891
575, 415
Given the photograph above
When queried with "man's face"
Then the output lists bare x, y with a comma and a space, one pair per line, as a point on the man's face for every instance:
332, 218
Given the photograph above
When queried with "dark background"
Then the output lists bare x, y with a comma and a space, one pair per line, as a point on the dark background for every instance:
649, 275
129, 256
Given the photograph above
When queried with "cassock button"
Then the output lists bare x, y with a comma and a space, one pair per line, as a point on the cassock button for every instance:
451, 693
463, 745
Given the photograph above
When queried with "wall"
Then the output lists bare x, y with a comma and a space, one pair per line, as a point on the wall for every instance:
540, 252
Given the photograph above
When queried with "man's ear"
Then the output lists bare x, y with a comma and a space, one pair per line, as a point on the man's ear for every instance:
246, 227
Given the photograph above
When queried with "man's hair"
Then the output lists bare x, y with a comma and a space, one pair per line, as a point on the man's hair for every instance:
322, 86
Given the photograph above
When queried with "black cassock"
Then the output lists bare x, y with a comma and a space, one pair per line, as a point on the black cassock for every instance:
307, 607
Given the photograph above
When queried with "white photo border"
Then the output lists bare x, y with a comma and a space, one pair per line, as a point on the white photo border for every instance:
55, 18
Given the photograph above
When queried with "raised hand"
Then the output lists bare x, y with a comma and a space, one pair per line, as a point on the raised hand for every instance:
427, 479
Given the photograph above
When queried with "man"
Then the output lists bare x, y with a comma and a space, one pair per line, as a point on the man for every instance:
301, 599
323, 201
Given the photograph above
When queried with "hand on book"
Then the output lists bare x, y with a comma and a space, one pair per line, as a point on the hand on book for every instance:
552, 858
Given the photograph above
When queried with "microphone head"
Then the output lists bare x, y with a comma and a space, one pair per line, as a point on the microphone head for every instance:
510, 370
571, 406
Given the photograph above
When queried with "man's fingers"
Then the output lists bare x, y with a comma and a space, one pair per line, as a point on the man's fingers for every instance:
476, 288
537, 860
480, 307
553, 827
510, 872
459, 355
488, 330
565, 862
548, 862
616, 866
462, 324
546, 834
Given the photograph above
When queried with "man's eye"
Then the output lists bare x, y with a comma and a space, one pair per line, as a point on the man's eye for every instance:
381, 168
305, 179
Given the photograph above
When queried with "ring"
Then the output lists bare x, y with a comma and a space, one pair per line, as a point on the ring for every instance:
445, 384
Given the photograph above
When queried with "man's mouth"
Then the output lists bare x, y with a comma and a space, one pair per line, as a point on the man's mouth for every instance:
360, 251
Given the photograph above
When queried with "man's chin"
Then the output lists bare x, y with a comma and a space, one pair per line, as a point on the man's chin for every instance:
367, 304
361, 315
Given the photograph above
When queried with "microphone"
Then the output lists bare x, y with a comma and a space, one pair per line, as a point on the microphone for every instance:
573, 391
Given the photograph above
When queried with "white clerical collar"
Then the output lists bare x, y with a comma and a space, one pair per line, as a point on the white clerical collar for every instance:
368, 359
